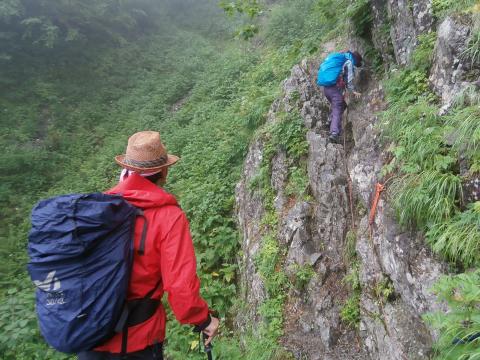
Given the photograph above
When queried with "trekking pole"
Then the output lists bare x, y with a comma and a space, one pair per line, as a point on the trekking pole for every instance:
208, 348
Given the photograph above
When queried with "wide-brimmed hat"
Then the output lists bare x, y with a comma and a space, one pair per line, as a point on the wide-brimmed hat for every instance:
145, 153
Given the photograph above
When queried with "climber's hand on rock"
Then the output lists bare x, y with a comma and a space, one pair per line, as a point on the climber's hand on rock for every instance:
356, 95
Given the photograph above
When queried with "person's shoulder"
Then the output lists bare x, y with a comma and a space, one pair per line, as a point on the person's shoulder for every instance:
169, 209
170, 214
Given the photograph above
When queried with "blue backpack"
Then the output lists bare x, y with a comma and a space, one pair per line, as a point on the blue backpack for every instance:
81, 255
331, 68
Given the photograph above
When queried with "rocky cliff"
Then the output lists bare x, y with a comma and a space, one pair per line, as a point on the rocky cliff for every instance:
330, 229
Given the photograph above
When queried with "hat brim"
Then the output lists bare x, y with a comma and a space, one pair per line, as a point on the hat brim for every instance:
171, 159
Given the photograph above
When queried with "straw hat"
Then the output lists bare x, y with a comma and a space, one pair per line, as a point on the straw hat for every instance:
145, 153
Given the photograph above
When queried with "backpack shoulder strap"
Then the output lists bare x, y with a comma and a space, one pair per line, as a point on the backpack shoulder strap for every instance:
141, 249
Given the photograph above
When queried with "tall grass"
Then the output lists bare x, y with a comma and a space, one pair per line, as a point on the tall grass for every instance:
427, 198
466, 133
459, 238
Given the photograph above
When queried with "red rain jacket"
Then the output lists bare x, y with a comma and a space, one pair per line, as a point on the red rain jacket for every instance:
169, 256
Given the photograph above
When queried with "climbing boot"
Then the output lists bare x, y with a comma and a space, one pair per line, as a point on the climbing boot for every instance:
334, 138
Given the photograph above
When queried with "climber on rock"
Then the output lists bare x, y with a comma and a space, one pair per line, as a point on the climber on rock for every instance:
336, 74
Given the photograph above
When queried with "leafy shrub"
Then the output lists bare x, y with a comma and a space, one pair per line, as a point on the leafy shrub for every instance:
288, 134
462, 322
352, 279
302, 275
350, 252
20, 338
384, 290
302, 26
408, 86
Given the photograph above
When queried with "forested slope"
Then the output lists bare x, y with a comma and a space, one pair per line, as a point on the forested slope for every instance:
78, 78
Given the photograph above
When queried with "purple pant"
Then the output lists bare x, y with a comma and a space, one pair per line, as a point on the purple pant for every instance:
337, 104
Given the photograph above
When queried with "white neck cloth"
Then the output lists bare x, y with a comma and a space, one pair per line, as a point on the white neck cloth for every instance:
126, 173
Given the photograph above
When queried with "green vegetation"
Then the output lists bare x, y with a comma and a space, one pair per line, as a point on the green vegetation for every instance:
361, 22
350, 312
287, 134
472, 52
246, 11
426, 148
297, 182
426, 198
422, 56
427, 185
384, 290
442, 8
302, 275
461, 324
459, 238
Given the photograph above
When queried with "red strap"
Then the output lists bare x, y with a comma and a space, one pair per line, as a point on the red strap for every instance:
378, 190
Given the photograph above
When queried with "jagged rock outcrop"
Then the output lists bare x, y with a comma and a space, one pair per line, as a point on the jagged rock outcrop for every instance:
314, 233
398, 23
450, 64
396, 269
250, 210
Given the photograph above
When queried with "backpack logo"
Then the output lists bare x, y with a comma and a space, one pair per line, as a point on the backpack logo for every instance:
51, 283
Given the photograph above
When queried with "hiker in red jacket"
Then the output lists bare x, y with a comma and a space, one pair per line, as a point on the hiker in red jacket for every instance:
168, 264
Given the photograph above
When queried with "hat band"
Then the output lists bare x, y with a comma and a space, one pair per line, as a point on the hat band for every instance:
147, 164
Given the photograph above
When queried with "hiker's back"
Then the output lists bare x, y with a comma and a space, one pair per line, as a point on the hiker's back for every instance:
331, 68
80, 261
168, 256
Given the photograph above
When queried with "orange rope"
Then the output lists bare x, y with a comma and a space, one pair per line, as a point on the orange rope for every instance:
378, 190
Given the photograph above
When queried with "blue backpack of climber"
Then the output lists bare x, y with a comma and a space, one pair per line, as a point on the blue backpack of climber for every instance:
336, 74
81, 253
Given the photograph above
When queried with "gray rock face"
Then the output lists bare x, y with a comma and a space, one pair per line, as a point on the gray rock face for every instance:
381, 30
471, 189
409, 18
250, 209
448, 71
314, 232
